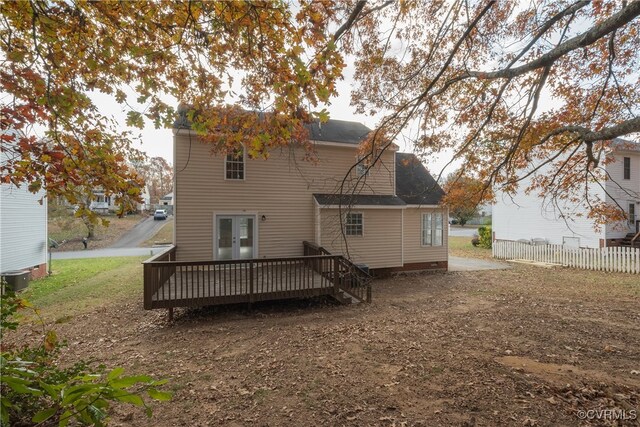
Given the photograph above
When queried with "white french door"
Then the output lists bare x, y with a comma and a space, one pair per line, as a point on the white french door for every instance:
235, 237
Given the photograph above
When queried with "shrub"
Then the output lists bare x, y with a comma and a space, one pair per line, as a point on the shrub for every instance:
484, 237
35, 390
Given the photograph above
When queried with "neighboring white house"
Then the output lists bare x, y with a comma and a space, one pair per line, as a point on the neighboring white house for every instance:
528, 217
23, 230
103, 204
167, 200
146, 200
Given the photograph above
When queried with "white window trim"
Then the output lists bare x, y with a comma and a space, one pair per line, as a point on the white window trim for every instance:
362, 223
244, 166
256, 230
433, 229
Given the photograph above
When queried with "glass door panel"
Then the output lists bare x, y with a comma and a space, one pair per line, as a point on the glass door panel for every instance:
245, 231
235, 237
225, 238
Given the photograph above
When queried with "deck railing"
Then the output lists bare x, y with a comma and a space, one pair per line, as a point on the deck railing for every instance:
349, 277
155, 276
169, 283
199, 283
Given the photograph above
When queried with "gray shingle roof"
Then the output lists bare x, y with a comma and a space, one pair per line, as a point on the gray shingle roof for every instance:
338, 131
625, 145
414, 184
358, 200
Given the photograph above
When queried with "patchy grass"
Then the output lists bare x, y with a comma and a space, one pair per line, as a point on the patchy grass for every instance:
78, 285
164, 235
461, 246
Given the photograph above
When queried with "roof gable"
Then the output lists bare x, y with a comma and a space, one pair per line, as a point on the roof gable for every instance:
414, 184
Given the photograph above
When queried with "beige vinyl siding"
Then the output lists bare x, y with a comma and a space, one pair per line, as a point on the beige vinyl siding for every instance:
413, 250
280, 188
380, 246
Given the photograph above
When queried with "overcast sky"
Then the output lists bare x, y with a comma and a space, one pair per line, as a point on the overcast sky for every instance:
159, 142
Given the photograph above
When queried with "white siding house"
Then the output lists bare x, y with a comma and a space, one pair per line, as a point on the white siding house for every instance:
23, 230
527, 216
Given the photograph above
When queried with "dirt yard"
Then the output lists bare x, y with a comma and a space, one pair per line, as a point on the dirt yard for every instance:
523, 347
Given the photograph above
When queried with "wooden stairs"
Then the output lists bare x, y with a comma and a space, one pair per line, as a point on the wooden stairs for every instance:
631, 240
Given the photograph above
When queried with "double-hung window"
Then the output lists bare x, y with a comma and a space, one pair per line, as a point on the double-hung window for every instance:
632, 213
627, 168
432, 229
234, 164
353, 224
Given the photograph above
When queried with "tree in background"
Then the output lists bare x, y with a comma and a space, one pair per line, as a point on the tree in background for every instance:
158, 176
57, 54
463, 195
465, 76
471, 77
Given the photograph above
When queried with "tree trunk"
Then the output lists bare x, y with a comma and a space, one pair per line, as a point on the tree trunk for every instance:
91, 227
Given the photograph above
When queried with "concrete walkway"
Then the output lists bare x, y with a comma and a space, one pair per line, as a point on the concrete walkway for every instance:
474, 264
108, 252
466, 231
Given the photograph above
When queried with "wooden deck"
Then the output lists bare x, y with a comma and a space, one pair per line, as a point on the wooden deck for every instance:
227, 284
169, 283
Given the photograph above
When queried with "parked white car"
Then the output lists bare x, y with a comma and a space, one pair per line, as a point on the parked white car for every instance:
160, 214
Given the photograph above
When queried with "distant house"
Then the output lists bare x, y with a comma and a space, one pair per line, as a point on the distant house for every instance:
104, 204
525, 217
167, 199
23, 230
146, 200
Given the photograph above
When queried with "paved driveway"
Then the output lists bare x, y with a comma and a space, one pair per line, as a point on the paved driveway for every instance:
141, 232
457, 263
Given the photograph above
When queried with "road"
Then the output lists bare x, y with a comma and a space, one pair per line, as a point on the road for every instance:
467, 231
108, 252
141, 232
128, 245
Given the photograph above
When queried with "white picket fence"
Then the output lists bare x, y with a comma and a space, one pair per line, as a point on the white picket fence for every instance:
618, 259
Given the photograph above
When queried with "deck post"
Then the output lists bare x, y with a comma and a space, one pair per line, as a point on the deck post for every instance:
170, 314
335, 275
147, 285
250, 284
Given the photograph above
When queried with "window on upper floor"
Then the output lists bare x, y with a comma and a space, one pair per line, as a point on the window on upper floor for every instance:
432, 229
234, 164
354, 224
627, 167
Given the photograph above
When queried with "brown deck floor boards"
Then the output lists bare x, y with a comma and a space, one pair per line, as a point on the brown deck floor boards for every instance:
233, 280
